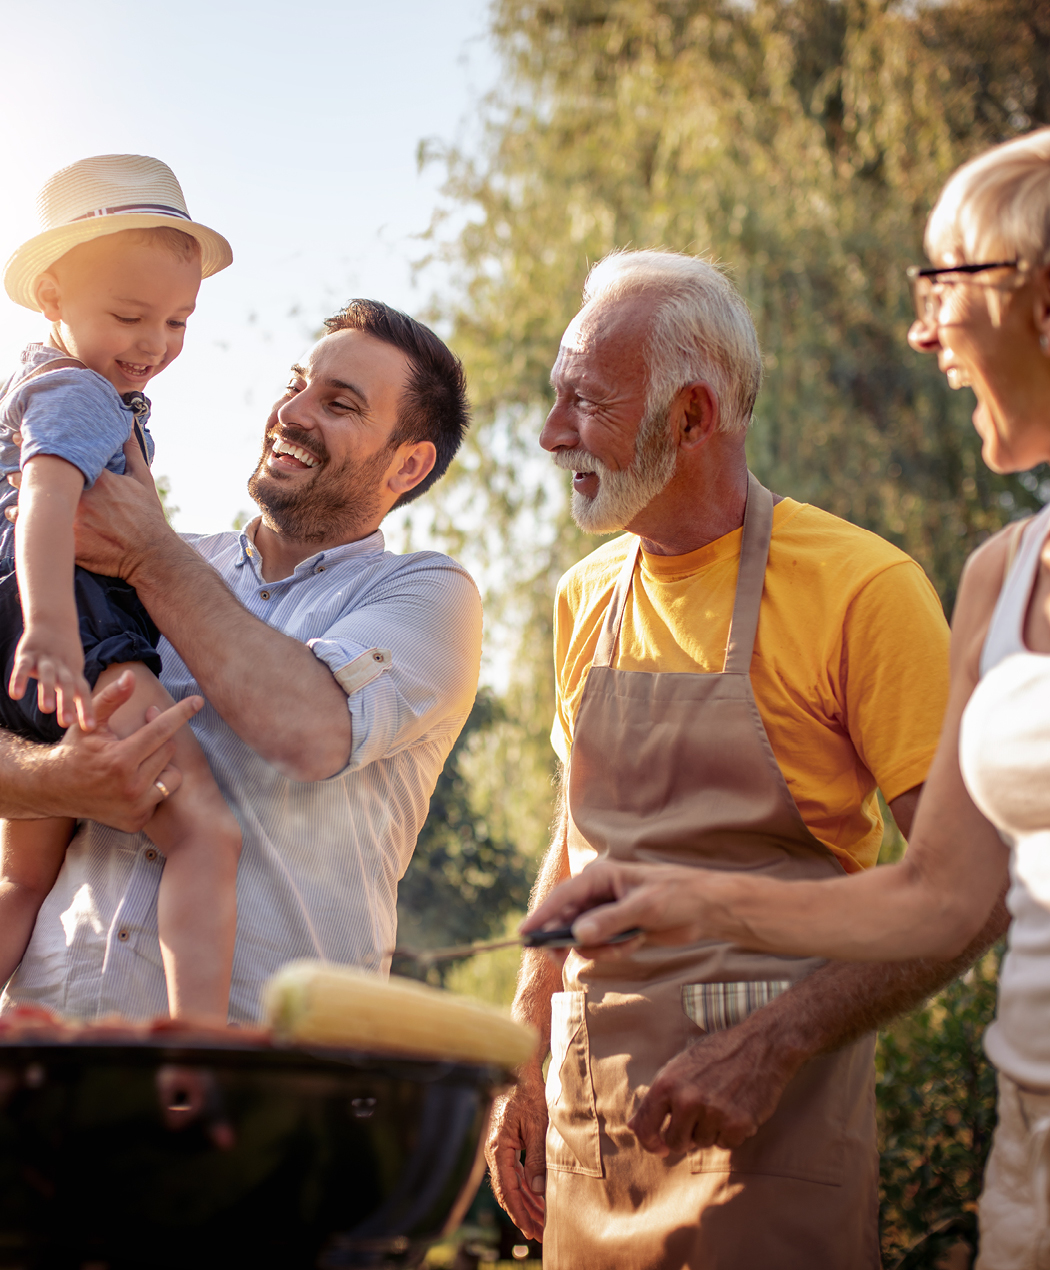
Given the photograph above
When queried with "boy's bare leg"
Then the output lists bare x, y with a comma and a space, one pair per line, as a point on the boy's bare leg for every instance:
201, 841
31, 854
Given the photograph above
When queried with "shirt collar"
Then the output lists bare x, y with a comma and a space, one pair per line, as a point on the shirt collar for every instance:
373, 545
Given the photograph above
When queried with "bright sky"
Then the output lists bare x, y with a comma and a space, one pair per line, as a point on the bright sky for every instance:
293, 130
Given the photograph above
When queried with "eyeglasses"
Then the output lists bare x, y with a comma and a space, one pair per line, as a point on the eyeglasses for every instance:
924, 282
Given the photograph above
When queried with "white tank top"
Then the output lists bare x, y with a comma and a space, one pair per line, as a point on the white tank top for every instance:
1004, 754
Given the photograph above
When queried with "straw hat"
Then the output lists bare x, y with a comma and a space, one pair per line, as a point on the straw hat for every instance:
104, 195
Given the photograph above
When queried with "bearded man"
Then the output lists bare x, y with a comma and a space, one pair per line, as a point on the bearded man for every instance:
335, 675
736, 678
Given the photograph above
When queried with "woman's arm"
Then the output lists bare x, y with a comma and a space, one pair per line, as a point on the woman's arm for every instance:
929, 905
50, 650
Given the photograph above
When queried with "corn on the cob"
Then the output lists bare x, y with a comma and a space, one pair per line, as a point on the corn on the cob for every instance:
320, 1004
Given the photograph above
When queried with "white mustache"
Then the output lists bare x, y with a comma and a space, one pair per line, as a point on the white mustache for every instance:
578, 461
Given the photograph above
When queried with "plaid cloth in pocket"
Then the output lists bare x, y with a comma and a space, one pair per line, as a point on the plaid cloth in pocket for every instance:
716, 1006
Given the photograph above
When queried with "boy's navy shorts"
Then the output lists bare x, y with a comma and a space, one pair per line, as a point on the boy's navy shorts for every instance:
114, 628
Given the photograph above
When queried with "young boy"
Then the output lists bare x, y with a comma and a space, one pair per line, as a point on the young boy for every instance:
116, 272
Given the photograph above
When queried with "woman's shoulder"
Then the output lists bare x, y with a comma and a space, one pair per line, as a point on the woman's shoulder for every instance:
982, 579
985, 569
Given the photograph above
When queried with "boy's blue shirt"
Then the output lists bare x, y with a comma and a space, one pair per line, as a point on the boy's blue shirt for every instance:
72, 413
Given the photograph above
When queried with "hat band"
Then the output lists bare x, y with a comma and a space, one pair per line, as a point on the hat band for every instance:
132, 207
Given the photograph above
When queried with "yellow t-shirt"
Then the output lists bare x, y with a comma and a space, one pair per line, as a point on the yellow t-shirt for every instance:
850, 669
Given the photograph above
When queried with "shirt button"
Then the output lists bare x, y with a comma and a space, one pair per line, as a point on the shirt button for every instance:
319, 569
264, 595
124, 935
151, 853
377, 656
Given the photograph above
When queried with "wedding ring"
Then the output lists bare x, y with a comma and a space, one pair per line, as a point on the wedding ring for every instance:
165, 792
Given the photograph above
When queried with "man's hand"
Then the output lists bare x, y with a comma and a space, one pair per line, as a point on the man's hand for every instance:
715, 1093
270, 688
96, 775
120, 522
722, 1089
519, 1123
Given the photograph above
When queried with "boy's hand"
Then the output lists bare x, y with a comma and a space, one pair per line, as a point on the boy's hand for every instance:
54, 657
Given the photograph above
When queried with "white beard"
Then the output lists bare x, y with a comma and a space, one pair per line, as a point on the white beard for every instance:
622, 495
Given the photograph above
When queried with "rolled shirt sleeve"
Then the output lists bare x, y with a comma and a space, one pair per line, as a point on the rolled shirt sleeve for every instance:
320, 860
407, 655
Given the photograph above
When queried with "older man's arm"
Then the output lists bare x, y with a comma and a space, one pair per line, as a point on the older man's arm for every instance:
519, 1118
724, 1087
94, 775
279, 698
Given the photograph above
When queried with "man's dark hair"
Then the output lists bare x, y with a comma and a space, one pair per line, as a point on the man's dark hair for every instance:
433, 406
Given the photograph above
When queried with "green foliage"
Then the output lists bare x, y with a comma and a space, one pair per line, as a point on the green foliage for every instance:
463, 881
935, 1101
802, 142
490, 977
936, 1110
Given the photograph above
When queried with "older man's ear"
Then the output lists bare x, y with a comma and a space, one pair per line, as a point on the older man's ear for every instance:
695, 414
1041, 310
414, 464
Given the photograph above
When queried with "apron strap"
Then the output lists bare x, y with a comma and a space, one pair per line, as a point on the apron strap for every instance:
603, 653
754, 552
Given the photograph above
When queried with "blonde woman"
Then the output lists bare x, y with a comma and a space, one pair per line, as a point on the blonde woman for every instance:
984, 310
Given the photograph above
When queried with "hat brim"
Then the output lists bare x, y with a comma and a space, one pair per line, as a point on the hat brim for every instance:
38, 254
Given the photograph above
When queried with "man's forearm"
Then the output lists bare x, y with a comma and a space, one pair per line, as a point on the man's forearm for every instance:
843, 1001
94, 775
515, 1148
270, 688
26, 790
538, 978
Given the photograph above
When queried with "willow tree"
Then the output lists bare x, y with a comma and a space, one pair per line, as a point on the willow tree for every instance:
799, 142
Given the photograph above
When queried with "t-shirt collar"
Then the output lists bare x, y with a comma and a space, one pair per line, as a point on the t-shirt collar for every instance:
668, 568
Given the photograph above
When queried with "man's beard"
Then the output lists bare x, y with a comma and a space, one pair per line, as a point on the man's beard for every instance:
622, 495
338, 502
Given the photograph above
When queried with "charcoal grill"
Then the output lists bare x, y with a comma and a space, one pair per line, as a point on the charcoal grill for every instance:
125, 1153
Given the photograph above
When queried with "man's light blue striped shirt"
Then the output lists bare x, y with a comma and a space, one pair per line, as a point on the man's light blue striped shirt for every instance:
321, 861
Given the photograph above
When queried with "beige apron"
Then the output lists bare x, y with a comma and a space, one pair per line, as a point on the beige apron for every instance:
678, 768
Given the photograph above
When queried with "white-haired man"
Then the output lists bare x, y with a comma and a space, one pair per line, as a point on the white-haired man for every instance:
737, 676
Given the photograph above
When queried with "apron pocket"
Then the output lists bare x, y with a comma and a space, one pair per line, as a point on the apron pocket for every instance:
823, 1129
572, 1131
716, 1006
